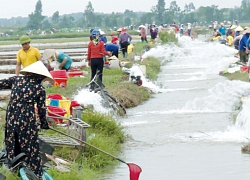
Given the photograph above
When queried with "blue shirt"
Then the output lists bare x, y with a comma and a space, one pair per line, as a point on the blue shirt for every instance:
111, 47
104, 39
243, 42
237, 33
248, 43
61, 56
222, 30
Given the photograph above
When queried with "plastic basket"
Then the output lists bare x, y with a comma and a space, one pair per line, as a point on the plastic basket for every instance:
244, 68
56, 110
60, 82
59, 74
75, 73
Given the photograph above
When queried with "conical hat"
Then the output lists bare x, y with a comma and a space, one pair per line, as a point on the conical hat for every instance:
233, 27
247, 30
239, 28
38, 68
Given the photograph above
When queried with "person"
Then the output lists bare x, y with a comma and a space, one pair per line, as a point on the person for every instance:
96, 51
182, 30
114, 39
103, 37
143, 34
237, 37
244, 47
27, 55
222, 30
112, 48
64, 60
21, 128
61, 57
153, 33
160, 29
215, 26
230, 39
189, 28
124, 41
217, 36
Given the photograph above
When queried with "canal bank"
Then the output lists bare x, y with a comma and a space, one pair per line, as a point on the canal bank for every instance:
97, 161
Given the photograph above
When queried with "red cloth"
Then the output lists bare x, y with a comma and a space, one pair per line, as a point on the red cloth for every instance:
55, 96
73, 104
134, 170
96, 51
114, 39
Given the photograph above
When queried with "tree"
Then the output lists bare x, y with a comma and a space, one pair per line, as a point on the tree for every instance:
46, 24
89, 16
55, 17
147, 18
66, 22
159, 10
36, 18
127, 21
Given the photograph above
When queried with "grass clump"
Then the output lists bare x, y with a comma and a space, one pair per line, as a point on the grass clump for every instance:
236, 76
168, 37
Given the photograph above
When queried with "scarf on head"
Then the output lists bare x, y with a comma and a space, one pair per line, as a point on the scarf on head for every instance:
95, 40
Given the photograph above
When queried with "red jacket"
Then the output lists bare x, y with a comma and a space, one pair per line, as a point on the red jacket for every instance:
96, 51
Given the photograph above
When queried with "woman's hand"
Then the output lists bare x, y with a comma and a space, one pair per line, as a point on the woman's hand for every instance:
89, 63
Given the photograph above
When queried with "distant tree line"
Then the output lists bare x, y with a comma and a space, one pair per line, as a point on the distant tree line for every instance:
159, 14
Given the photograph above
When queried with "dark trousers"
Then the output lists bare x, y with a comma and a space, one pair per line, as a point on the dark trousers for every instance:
144, 39
243, 56
96, 64
115, 53
124, 47
63, 68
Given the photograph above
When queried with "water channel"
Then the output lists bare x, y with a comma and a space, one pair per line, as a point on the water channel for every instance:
188, 129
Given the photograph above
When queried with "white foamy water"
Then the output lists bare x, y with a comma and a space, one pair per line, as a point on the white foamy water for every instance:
223, 97
192, 119
85, 97
200, 63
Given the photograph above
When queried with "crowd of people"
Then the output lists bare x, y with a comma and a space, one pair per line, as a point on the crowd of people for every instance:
234, 36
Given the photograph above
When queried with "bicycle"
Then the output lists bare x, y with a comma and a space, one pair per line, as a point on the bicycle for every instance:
96, 86
18, 165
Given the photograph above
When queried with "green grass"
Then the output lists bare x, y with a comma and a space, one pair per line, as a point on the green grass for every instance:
237, 76
105, 133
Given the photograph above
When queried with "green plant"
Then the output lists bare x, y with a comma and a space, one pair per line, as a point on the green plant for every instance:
168, 37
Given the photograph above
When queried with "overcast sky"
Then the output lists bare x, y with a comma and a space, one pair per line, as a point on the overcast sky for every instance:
14, 8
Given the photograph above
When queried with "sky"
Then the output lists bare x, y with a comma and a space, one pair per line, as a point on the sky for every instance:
15, 8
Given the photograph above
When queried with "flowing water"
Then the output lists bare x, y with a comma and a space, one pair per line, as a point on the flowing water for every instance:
188, 130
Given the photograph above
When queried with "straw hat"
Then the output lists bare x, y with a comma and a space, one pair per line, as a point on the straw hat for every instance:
142, 26
233, 27
239, 28
119, 30
38, 68
247, 30
48, 54
222, 24
102, 32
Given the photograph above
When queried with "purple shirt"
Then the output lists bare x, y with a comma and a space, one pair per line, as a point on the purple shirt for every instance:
124, 38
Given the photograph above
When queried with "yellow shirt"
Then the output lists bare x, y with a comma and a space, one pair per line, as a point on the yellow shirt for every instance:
230, 40
29, 57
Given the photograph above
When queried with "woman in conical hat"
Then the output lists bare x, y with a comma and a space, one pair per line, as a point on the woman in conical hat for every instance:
21, 133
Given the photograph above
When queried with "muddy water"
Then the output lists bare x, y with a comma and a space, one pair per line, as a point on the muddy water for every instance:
187, 130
